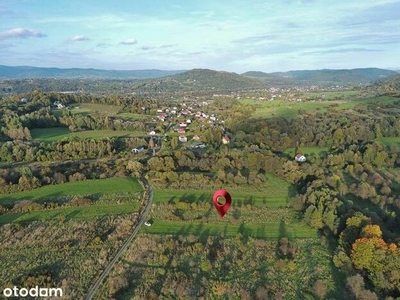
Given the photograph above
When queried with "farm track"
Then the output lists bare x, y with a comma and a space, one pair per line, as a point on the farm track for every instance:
149, 194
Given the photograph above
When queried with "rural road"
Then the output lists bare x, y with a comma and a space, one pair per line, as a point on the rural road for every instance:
143, 217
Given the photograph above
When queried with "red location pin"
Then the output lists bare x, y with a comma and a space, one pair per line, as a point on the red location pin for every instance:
222, 208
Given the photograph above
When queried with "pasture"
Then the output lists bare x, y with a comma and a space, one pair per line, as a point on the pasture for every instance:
54, 134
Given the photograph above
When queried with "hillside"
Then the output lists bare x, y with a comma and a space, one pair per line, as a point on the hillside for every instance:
389, 85
324, 77
25, 72
202, 79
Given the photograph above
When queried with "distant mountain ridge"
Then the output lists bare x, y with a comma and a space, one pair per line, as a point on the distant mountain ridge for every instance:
326, 76
26, 72
156, 81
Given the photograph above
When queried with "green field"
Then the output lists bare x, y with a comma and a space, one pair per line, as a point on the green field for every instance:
87, 187
275, 193
307, 150
49, 135
330, 95
261, 213
111, 110
261, 230
85, 108
287, 109
393, 140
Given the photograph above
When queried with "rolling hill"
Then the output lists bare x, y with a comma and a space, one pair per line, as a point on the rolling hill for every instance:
201, 79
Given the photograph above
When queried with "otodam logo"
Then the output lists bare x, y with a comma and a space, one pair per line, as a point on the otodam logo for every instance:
32, 292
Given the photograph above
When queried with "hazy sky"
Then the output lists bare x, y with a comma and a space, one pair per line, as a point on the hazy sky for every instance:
225, 35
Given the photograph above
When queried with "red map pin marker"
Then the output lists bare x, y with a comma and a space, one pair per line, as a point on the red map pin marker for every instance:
222, 208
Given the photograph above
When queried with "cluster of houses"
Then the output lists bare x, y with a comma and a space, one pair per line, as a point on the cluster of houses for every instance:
187, 115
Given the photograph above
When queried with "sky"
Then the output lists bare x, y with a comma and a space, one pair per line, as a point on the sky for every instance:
228, 35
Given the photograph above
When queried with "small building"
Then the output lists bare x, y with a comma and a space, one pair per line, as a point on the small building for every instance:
181, 130
138, 149
188, 121
24, 100
196, 137
226, 140
182, 139
300, 157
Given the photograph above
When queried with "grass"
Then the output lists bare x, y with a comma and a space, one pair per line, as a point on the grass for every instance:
261, 230
307, 150
111, 110
84, 212
49, 135
83, 108
392, 140
97, 186
330, 95
275, 193
259, 213
286, 109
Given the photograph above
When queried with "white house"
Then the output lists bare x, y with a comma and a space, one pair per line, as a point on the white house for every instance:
226, 140
182, 139
300, 157
24, 100
138, 149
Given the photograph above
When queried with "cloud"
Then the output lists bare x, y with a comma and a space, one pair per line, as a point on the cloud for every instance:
103, 45
345, 50
147, 48
21, 33
168, 46
129, 42
79, 38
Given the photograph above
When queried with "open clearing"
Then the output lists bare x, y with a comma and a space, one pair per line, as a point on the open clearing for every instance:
307, 150
111, 110
49, 135
392, 140
274, 193
260, 214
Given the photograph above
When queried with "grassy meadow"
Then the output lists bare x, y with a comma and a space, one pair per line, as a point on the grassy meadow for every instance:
262, 213
115, 188
307, 150
49, 135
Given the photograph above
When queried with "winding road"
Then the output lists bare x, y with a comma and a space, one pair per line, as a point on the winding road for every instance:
96, 285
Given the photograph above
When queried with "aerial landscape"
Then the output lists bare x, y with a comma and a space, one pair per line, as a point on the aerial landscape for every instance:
201, 150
